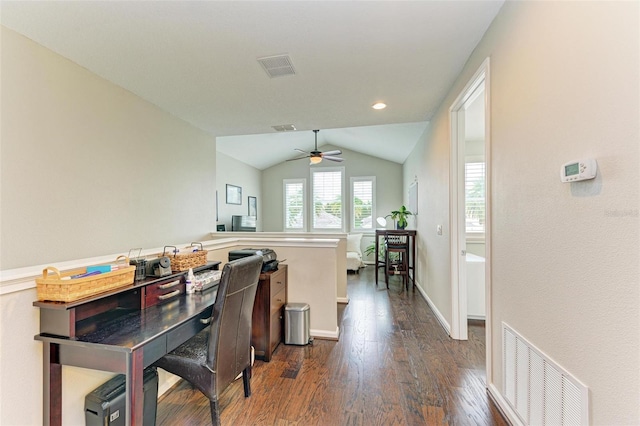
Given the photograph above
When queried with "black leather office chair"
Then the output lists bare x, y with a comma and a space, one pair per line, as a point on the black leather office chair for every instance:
213, 358
397, 242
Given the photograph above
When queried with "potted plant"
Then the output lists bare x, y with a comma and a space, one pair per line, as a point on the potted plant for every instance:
400, 216
371, 248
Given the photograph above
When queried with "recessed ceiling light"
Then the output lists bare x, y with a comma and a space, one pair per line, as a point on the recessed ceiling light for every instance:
379, 105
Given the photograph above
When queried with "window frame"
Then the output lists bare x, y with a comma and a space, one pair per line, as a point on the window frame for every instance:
476, 235
312, 198
305, 221
352, 181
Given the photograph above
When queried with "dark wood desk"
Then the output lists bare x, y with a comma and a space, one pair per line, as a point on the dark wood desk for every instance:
121, 339
411, 273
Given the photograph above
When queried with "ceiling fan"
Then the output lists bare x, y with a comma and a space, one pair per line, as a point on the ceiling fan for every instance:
316, 156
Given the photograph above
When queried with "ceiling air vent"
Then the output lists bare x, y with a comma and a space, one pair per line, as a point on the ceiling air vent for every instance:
277, 66
284, 128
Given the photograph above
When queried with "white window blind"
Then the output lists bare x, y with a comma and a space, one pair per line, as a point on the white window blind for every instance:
327, 199
294, 204
362, 203
474, 180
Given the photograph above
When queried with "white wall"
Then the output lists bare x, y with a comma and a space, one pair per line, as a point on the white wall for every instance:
315, 270
233, 172
299, 240
388, 184
565, 271
87, 169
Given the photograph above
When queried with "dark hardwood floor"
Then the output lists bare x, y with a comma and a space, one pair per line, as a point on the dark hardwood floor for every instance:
393, 365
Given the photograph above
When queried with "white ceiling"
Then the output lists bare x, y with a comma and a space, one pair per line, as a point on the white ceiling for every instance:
198, 61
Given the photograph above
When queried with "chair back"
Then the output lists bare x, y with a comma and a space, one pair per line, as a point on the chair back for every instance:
397, 240
230, 339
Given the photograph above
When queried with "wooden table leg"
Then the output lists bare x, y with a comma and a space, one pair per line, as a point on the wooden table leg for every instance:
413, 262
52, 386
134, 398
377, 257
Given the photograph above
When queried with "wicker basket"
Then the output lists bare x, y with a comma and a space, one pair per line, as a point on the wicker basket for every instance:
183, 261
56, 289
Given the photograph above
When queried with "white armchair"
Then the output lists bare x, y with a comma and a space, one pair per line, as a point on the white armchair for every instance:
354, 252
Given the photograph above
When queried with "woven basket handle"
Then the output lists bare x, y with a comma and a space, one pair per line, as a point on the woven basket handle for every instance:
122, 256
197, 244
46, 270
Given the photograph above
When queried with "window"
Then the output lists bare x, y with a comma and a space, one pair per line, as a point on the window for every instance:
294, 205
363, 191
474, 192
327, 191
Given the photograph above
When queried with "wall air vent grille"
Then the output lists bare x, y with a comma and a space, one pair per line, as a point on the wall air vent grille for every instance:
277, 66
538, 390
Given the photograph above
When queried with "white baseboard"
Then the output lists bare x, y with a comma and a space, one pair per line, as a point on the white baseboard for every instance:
441, 319
503, 406
344, 300
323, 334
476, 317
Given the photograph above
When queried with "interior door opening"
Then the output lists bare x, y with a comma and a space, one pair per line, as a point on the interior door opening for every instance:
474, 188
470, 210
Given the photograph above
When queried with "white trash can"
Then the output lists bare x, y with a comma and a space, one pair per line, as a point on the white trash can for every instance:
296, 324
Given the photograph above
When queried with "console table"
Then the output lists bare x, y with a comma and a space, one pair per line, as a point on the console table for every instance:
411, 273
121, 331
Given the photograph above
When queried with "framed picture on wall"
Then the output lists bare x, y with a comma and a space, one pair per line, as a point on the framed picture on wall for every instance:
253, 206
234, 194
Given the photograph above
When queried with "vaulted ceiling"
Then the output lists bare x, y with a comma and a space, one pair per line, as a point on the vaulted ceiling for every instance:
198, 60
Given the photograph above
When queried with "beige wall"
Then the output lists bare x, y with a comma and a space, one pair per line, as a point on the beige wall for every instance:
564, 85
314, 271
88, 168
300, 240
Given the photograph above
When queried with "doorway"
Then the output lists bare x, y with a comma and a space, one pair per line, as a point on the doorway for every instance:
470, 208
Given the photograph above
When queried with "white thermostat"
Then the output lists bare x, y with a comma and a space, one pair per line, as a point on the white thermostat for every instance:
575, 171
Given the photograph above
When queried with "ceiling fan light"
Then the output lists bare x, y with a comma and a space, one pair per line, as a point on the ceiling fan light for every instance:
315, 160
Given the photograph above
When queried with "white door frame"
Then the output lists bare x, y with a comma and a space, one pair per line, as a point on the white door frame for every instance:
456, 218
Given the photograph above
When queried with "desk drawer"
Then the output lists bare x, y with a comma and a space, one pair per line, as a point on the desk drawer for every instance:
163, 291
187, 330
154, 350
278, 300
278, 281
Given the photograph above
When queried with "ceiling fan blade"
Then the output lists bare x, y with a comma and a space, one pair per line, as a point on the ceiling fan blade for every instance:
332, 158
298, 158
336, 152
299, 150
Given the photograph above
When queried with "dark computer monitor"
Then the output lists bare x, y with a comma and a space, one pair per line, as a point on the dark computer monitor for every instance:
220, 228
243, 223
